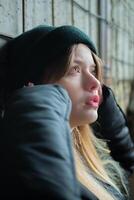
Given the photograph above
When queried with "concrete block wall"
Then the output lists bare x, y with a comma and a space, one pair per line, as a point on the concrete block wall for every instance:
109, 23
121, 50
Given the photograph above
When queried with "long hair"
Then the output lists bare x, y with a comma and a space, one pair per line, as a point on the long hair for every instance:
92, 156
94, 166
92, 171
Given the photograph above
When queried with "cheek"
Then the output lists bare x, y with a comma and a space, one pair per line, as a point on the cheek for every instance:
72, 89
72, 92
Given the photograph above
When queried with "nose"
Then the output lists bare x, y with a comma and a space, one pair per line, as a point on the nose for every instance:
92, 83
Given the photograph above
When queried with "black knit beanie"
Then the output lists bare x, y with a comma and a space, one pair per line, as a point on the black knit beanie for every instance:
32, 50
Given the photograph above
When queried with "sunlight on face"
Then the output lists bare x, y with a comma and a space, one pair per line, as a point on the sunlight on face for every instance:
82, 86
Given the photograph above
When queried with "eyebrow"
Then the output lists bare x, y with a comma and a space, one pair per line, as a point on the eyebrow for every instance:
80, 62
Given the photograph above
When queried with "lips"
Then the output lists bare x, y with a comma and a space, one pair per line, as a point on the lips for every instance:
93, 101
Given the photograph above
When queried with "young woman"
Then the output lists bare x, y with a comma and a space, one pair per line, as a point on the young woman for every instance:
50, 92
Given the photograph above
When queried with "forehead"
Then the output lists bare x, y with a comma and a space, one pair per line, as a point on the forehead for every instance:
82, 54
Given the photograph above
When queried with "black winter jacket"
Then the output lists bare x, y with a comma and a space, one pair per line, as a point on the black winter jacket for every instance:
36, 147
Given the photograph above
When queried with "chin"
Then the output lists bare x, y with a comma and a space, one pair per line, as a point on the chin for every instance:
92, 118
83, 118
88, 119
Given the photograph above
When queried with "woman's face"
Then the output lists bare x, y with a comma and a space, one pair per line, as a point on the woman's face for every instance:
82, 86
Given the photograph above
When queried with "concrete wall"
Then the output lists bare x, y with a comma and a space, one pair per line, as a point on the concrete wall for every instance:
108, 22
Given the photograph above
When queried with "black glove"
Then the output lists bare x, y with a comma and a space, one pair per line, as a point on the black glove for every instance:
112, 126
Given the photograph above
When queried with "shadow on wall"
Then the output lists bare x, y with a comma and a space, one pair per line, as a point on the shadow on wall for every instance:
131, 182
130, 118
130, 111
3, 40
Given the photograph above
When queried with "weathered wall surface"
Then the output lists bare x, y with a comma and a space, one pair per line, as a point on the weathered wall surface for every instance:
109, 23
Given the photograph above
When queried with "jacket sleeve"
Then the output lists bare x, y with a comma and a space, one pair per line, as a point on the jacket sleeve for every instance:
38, 153
112, 125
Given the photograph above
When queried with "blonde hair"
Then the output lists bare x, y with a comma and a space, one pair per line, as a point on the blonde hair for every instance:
89, 152
94, 166
89, 166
